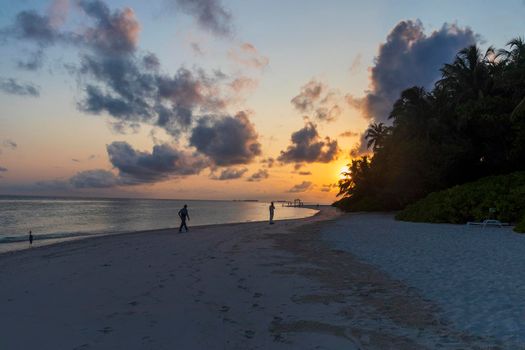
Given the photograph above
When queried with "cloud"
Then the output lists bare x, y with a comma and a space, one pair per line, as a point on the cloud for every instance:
307, 146
97, 178
226, 140
164, 162
33, 62
196, 48
242, 84
409, 58
230, 174
124, 88
29, 25
2, 169
348, 133
328, 187
114, 33
211, 15
259, 175
14, 87
305, 173
310, 93
356, 64
302, 187
10, 144
268, 162
316, 98
247, 55
57, 12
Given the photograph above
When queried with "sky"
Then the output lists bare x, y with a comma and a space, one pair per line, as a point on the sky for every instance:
215, 99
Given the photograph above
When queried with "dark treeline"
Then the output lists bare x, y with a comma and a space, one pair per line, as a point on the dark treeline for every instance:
471, 125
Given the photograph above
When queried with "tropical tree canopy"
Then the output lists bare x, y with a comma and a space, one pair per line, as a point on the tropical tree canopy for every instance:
471, 125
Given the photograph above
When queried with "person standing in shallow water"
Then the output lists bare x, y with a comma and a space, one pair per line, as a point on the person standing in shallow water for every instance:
272, 211
183, 214
30, 238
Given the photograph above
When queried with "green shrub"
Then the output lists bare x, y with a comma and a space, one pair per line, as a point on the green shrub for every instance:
520, 226
472, 202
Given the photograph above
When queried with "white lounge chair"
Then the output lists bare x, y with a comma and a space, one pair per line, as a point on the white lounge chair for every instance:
488, 222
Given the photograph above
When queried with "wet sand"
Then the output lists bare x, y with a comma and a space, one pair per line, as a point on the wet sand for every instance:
239, 286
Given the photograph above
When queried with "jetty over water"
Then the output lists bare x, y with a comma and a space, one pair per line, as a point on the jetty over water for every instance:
295, 203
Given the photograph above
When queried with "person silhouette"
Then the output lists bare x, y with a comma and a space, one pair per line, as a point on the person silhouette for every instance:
272, 211
30, 238
183, 214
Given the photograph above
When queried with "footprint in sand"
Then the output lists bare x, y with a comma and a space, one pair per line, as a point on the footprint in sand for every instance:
257, 295
106, 330
224, 308
133, 303
249, 334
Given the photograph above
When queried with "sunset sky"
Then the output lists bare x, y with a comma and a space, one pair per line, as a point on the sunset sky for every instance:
214, 99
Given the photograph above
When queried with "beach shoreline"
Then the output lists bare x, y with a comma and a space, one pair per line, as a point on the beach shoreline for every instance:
9, 247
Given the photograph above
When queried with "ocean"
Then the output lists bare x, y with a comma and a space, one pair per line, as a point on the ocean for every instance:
52, 218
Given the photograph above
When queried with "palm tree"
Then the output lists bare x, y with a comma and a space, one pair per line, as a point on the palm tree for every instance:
516, 54
468, 77
514, 77
376, 135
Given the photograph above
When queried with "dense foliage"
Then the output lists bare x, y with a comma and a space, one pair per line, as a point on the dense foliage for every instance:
472, 202
471, 125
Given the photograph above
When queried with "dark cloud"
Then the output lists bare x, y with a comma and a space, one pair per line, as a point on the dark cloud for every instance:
268, 162
227, 140
30, 25
211, 15
302, 187
136, 167
113, 33
307, 146
230, 174
13, 87
315, 98
2, 169
409, 58
97, 178
118, 80
305, 173
122, 87
259, 175
52, 185
151, 62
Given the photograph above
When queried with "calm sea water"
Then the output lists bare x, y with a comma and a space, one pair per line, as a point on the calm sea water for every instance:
50, 218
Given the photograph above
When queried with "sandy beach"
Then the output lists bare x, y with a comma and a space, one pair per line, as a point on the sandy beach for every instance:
236, 286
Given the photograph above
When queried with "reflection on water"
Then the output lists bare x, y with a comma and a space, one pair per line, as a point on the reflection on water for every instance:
50, 218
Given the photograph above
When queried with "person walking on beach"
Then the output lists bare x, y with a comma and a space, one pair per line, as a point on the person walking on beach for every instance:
30, 238
272, 211
183, 214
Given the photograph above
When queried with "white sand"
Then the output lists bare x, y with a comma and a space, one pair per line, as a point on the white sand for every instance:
475, 275
244, 286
